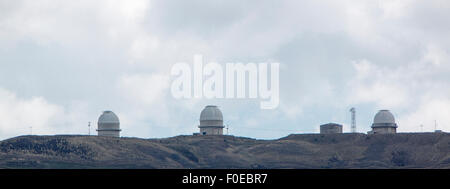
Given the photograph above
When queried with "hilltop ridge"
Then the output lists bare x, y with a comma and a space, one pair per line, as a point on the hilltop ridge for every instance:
348, 150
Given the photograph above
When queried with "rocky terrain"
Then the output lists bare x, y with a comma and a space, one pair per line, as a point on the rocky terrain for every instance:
403, 150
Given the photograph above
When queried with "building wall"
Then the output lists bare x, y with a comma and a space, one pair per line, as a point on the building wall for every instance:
211, 131
108, 129
109, 133
383, 130
330, 129
108, 126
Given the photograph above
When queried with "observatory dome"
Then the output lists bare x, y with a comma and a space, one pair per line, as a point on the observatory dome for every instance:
384, 118
108, 124
108, 117
383, 122
211, 113
211, 121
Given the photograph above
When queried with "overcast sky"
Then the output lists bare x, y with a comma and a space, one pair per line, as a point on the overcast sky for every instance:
64, 62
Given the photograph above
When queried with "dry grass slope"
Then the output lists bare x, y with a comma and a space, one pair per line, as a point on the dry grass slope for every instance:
404, 150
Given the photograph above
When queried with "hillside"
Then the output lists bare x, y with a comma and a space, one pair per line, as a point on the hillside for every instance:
404, 150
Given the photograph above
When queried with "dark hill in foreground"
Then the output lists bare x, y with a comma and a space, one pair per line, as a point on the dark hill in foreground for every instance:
405, 150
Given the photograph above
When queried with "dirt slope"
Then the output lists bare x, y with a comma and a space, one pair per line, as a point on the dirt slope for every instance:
404, 150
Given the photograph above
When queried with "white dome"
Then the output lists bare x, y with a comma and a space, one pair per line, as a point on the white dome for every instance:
211, 113
211, 116
384, 118
108, 117
108, 121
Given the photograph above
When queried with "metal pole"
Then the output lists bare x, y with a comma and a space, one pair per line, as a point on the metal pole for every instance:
353, 124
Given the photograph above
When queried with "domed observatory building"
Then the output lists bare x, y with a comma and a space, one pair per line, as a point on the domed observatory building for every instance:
211, 121
108, 125
384, 122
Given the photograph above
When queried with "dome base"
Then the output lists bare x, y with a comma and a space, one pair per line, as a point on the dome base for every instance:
211, 130
393, 125
383, 130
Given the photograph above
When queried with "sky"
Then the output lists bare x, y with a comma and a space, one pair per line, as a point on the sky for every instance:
62, 63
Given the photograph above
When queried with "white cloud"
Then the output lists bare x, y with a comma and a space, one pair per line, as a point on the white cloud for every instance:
144, 89
72, 24
83, 56
416, 92
383, 86
21, 116
431, 109
143, 106
437, 56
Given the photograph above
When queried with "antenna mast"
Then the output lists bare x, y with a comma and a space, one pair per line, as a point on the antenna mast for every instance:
353, 125
435, 125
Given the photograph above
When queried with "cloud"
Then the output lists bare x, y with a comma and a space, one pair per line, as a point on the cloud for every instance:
431, 109
145, 89
142, 107
22, 116
415, 92
381, 86
70, 60
70, 23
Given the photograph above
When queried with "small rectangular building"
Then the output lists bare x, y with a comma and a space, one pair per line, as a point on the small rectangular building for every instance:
330, 128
